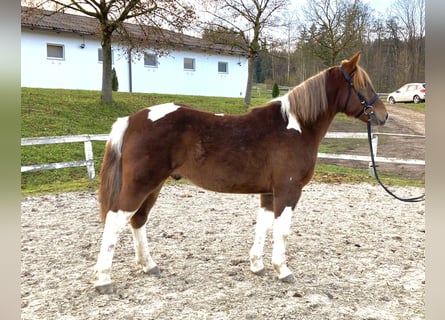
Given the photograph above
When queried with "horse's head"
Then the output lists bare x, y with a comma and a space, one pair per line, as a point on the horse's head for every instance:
360, 99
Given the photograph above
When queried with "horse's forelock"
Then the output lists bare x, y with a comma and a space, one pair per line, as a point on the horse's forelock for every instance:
360, 78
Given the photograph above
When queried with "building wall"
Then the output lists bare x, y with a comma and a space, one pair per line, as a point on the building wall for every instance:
80, 68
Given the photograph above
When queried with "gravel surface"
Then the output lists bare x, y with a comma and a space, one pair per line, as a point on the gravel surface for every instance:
356, 252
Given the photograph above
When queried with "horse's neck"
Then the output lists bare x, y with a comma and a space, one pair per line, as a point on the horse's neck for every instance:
319, 128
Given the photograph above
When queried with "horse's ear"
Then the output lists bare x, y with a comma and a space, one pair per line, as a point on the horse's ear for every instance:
351, 64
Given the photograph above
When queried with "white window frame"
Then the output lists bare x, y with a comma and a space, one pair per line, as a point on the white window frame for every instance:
100, 57
58, 45
188, 61
153, 56
226, 64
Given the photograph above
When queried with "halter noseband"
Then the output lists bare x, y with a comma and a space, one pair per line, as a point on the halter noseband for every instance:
368, 107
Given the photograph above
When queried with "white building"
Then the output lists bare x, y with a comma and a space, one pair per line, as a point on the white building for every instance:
61, 50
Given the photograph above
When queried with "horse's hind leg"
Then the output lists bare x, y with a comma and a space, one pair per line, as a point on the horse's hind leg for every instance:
115, 222
130, 201
138, 229
263, 225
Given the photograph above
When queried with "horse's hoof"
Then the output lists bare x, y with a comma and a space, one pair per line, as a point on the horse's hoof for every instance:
289, 279
260, 272
154, 272
104, 289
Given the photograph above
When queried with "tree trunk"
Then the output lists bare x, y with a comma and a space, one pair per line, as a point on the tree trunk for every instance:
248, 96
106, 96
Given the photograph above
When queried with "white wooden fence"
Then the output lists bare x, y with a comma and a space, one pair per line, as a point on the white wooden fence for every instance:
364, 135
89, 158
88, 149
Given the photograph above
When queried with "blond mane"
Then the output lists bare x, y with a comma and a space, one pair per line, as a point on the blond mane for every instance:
308, 99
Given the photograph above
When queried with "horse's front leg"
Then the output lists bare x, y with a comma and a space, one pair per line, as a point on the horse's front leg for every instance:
281, 230
284, 203
115, 222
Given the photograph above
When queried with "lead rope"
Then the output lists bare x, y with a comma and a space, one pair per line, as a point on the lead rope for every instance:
414, 199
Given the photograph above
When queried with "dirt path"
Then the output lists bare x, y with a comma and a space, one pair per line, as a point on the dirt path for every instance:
405, 120
402, 120
356, 253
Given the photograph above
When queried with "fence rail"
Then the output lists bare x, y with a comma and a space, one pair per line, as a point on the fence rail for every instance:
363, 135
88, 149
89, 157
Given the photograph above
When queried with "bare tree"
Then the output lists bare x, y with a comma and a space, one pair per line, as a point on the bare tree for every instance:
150, 15
290, 25
393, 45
410, 18
334, 27
249, 21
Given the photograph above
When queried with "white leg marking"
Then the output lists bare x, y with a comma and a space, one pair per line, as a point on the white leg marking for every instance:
114, 224
292, 122
161, 110
264, 223
143, 257
219, 114
281, 229
117, 133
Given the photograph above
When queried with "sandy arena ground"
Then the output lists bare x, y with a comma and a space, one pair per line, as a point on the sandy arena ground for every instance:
356, 252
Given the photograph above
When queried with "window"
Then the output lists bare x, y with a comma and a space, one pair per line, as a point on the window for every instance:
189, 64
150, 60
55, 51
223, 67
100, 57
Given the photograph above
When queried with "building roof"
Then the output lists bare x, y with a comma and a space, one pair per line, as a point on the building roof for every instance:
61, 22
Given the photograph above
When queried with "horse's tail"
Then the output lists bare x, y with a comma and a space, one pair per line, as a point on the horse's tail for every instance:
111, 170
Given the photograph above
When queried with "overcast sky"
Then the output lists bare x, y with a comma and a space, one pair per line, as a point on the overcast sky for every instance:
378, 5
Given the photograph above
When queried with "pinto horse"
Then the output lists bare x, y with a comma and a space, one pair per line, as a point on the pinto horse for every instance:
270, 151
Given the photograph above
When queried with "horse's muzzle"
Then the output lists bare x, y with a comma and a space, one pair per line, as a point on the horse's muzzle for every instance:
376, 120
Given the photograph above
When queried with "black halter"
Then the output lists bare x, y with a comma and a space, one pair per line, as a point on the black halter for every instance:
368, 107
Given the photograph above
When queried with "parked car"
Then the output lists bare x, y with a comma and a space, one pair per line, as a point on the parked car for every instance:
410, 92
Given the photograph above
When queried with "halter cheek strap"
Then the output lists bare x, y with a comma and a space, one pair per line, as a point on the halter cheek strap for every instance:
367, 106
348, 78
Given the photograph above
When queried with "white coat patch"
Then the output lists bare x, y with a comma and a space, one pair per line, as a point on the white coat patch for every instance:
264, 224
117, 133
161, 110
292, 122
143, 257
114, 224
281, 229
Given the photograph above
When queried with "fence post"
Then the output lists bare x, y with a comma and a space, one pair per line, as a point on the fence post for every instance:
88, 147
374, 142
